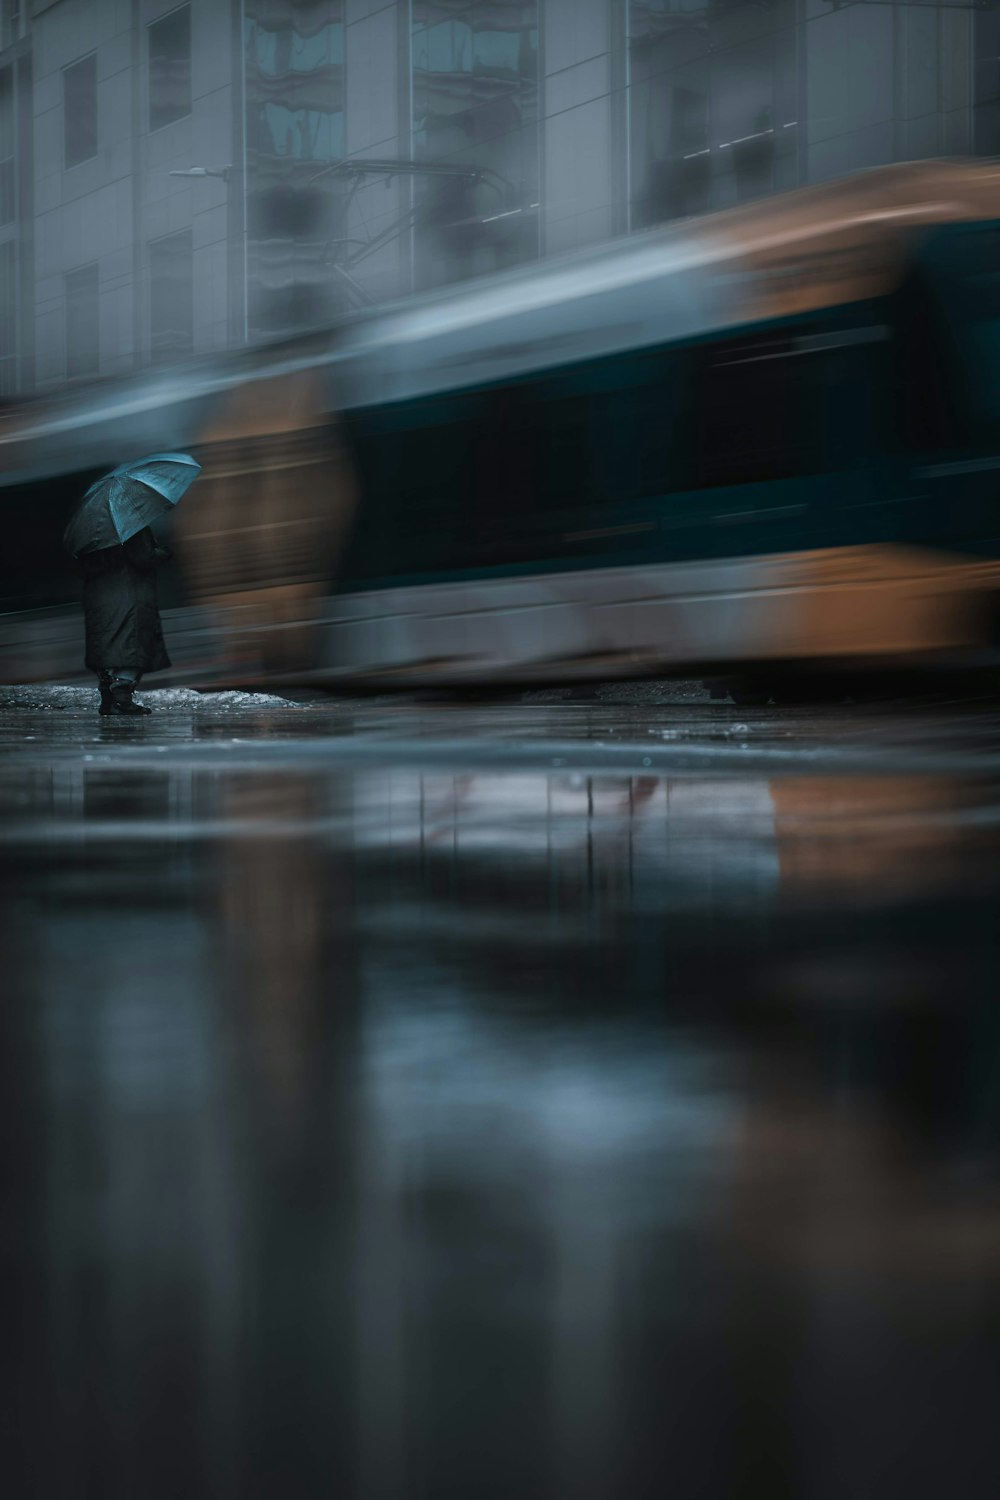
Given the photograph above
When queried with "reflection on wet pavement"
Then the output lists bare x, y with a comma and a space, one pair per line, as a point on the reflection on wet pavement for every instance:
65, 718
383, 1133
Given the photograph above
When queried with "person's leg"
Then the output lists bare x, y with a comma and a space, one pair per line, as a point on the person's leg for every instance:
123, 685
104, 684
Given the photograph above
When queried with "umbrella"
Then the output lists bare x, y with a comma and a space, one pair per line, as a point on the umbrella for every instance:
129, 498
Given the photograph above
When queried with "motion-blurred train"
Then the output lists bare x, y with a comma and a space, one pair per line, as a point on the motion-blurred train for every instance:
765, 441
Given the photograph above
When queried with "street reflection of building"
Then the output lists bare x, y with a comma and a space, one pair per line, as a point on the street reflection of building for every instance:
869, 840
358, 1126
519, 128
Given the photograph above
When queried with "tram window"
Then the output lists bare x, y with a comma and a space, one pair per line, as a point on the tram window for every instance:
572, 440
773, 407
505, 479
983, 363
420, 469
752, 417
643, 419
965, 293
947, 336
497, 476
927, 405
607, 431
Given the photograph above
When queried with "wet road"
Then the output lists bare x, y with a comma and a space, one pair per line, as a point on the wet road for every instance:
540, 1099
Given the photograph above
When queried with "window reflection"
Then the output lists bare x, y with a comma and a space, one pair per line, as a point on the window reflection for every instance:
279, 50
475, 105
300, 134
711, 105
294, 58
295, 85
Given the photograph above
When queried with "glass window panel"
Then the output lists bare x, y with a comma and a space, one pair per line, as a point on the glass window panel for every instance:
170, 68
711, 105
171, 308
299, 134
444, 48
760, 409
295, 84
277, 50
82, 347
475, 104
80, 111
294, 61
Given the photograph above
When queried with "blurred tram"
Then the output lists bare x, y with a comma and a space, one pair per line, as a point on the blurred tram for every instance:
764, 441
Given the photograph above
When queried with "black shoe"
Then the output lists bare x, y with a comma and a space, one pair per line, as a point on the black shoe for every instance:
104, 686
122, 701
127, 710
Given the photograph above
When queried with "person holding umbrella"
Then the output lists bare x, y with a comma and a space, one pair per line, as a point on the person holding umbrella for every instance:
110, 536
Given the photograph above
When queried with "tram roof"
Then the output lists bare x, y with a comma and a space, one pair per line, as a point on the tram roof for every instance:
837, 242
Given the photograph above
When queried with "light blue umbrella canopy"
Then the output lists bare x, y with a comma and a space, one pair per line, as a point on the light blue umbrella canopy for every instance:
128, 499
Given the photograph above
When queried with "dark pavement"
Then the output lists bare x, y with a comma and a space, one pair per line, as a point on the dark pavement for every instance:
553, 1097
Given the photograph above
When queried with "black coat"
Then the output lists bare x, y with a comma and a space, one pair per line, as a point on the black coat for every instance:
120, 611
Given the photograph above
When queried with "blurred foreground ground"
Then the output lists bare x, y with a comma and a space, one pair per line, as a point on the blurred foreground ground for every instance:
554, 1097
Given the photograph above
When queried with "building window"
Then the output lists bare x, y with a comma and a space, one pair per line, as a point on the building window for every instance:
475, 109
294, 60
82, 347
80, 111
712, 105
170, 68
8, 152
171, 307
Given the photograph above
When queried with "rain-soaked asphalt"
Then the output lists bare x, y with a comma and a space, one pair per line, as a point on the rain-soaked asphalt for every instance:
542, 1098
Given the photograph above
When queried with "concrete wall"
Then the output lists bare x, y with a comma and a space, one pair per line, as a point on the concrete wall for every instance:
883, 85
83, 214
577, 130
107, 209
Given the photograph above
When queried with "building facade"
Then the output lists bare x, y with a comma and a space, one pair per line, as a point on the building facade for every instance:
177, 179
